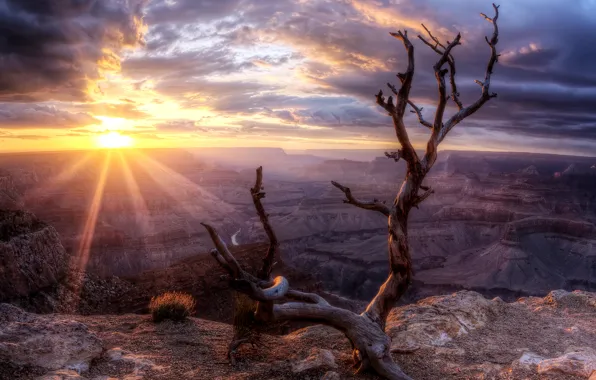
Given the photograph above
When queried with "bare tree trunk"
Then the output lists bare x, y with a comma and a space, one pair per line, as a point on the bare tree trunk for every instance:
246, 331
366, 331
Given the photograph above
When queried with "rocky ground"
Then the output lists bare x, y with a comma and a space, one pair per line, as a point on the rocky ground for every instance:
457, 336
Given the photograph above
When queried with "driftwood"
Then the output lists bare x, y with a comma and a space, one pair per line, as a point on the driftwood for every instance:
276, 301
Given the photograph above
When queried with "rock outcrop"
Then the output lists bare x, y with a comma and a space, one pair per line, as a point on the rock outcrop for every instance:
317, 360
458, 336
45, 343
31, 255
468, 336
9, 195
435, 321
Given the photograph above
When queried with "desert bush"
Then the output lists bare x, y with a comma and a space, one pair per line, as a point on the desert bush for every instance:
176, 306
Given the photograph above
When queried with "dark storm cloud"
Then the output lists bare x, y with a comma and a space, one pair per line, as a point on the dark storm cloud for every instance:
531, 58
53, 49
546, 64
186, 11
24, 115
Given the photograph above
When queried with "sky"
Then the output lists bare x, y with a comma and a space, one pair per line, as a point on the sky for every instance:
296, 74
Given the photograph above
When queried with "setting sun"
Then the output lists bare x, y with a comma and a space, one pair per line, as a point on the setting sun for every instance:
112, 140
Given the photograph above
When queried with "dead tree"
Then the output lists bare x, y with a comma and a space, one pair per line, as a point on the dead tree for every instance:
246, 331
371, 346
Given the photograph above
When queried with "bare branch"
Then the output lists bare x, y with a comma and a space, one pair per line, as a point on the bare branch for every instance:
454, 92
223, 250
486, 17
438, 43
442, 129
278, 290
422, 197
398, 110
486, 95
221, 261
418, 112
374, 205
257, 195
243, 281
440, 76
306, 297
387, 105
394, 155
450, 61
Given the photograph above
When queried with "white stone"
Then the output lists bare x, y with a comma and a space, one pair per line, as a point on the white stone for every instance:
579, 362
47, 342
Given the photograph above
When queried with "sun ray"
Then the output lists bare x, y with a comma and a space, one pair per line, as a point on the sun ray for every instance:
55, 183
82, 255
136, 197
181, 189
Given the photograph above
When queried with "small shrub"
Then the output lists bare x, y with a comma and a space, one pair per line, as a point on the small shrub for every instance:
176, 306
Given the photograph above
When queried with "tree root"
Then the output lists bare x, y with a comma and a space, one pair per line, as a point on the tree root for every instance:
236, 343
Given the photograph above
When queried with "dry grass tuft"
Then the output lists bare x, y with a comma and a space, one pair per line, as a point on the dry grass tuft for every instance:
176, 306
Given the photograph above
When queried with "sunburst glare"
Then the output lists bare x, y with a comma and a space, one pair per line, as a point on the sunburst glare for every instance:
82, 255
114, 140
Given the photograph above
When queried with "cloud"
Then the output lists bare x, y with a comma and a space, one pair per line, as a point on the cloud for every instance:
57, 49
164, 11
232, 96
179, 126
184, 65
119, 110
24, 115
311, 68
6, 135
531, 56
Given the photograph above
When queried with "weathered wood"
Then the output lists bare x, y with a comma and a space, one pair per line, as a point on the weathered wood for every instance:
257, 194
374, 205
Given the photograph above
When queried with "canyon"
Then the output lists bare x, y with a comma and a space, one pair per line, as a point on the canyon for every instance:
502, 224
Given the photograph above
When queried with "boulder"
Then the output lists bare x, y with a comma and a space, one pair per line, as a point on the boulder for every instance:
435, 321
47, 342
318, 359
31, 255
61, 374
576, 299
141, 365
579, 361
330, 375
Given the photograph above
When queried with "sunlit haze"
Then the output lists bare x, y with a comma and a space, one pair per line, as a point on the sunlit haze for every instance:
114, 140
